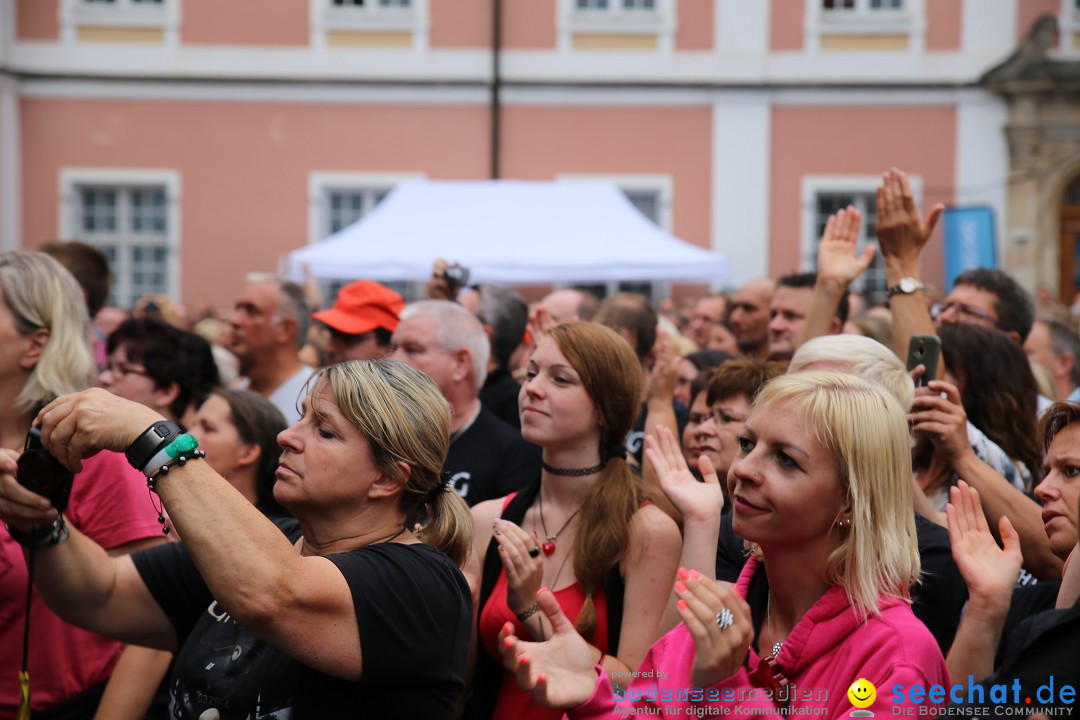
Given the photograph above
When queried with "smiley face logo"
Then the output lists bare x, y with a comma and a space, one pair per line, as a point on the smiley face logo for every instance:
862, 693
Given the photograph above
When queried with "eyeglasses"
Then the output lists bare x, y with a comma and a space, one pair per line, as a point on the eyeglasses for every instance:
120, 370
971, 311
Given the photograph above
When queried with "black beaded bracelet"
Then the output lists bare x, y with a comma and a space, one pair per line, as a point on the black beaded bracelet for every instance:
178, 460
528, 612
43, 535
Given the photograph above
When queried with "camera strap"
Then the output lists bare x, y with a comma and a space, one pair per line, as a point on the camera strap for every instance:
24, 673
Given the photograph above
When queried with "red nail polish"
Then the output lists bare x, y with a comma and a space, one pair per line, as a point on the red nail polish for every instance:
683, 573
681, 604
680, 586
695, 574
542, 590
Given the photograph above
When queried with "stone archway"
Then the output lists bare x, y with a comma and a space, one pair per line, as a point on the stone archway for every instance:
1043, 134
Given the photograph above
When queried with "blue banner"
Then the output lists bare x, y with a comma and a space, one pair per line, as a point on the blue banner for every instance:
970, 241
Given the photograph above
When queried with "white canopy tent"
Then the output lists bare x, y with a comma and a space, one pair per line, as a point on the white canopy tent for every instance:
507, 232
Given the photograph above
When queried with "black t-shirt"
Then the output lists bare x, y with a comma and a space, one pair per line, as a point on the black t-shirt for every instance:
414, 610
938, 599
635, 439
490, 460
500, 396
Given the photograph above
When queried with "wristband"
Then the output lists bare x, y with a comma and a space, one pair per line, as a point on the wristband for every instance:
43, 535
151, 442
179, 445
528, 612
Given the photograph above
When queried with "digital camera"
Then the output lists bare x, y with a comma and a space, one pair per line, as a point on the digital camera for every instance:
457, 275
43, 474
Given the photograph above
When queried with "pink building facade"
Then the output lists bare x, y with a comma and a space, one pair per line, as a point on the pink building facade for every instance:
199, 140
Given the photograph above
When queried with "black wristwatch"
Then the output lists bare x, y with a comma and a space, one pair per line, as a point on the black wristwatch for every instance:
150, 443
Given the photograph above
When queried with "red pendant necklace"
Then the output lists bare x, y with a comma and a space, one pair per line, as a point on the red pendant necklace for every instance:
548, 547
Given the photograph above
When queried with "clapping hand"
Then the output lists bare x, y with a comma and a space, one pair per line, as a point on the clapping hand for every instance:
559, 672
989, 571
900, 232
837, 260
520, 554
694, 500
719, 622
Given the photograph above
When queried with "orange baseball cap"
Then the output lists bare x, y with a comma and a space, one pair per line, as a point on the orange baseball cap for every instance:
361, 307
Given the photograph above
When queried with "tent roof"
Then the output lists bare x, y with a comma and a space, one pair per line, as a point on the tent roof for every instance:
510, 232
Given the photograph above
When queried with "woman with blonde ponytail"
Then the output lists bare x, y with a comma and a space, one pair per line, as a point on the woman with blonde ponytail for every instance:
585, 529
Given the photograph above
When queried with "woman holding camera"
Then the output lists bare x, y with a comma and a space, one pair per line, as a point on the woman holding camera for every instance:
44, 336
355, 609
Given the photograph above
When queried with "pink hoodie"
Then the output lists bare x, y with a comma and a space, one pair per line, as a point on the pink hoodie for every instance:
827, 651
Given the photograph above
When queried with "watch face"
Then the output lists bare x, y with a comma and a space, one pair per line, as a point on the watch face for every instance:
908, 285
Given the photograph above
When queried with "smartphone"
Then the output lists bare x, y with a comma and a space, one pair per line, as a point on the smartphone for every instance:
924, 350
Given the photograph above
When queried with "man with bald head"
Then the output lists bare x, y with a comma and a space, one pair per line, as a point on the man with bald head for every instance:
566, 306
750, 317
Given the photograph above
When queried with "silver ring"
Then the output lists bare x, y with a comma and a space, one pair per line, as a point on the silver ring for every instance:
535, 552
725, 619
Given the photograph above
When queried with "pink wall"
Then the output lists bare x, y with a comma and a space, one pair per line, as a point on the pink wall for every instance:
695, 25
944, 19
528, 23
543, 142
786, 18
464, 23
36, 19
1028, 11
244, 22
856, 141
244, 168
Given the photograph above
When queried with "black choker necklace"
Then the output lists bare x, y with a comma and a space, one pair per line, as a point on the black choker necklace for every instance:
572, 472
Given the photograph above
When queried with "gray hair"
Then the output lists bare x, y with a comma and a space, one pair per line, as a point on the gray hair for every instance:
292, 303
455, 328
1064, 339
507, 313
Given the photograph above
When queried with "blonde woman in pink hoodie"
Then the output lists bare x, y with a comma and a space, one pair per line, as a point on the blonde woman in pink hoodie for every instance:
822, 487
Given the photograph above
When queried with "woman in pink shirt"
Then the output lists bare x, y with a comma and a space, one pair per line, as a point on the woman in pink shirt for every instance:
822, 487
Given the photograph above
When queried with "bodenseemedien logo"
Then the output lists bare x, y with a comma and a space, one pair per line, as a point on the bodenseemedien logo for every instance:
1001, 699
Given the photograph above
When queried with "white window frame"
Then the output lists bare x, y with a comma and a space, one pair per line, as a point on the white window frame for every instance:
615, 19
120, 14
815, 185
72, 179
321, 183
909, 21
1069, 26
327, 17
664, 186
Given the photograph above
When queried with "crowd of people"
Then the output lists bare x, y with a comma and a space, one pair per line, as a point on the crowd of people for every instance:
468, 506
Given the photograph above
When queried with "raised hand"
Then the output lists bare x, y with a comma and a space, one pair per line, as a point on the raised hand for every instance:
719, 647
989, 571
524, 571
694, 500
664, 373
559, 672
900, 232
837, 261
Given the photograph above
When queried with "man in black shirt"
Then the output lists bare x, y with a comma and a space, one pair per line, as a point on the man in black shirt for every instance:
487, 457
